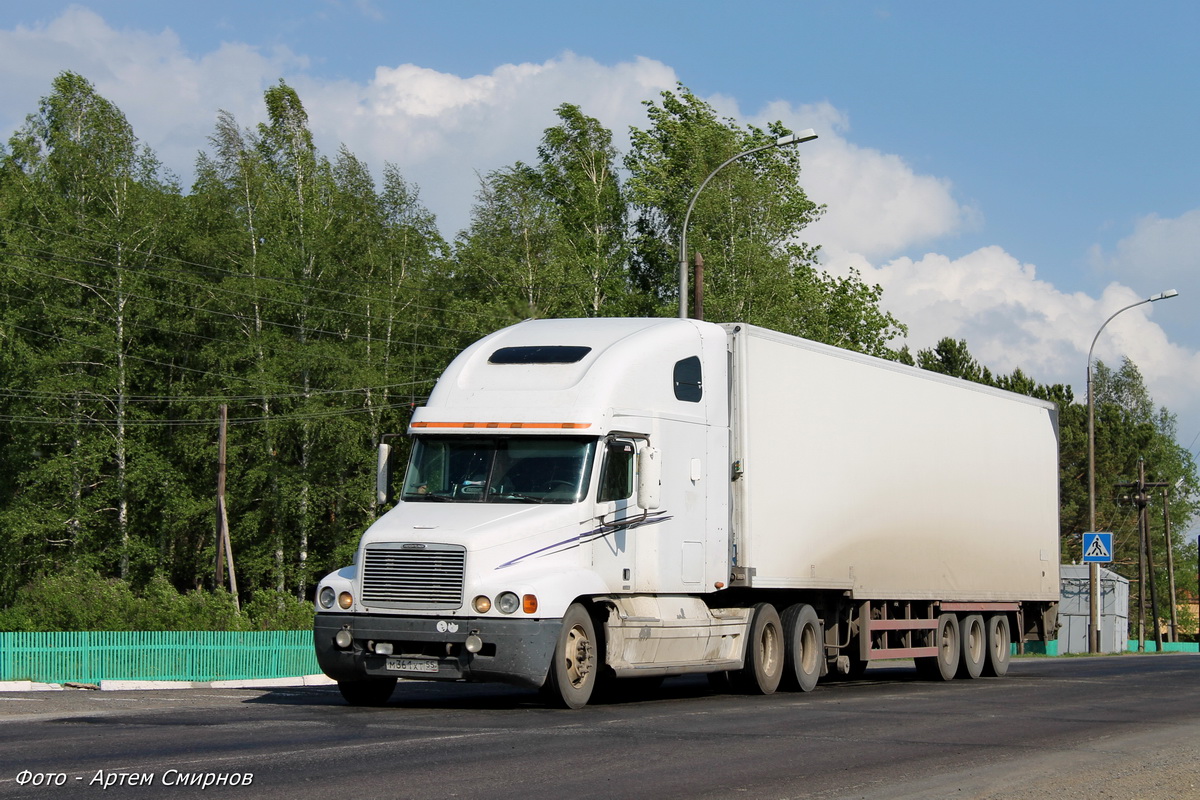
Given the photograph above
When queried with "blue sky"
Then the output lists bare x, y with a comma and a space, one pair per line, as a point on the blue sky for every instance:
1010, 173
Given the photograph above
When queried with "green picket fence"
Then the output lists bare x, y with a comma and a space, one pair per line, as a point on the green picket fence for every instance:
90, 657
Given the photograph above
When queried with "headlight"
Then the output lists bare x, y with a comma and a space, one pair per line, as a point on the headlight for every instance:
481, 604
327, 597
345, 600
507, 602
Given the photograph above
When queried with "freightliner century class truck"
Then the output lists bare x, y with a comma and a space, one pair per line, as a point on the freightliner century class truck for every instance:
594, 501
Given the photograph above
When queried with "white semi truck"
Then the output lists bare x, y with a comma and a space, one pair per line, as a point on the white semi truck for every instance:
589, 501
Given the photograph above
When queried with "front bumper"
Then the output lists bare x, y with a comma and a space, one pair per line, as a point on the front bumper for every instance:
516, 651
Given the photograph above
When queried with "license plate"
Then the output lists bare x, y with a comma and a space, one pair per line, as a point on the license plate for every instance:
411, 665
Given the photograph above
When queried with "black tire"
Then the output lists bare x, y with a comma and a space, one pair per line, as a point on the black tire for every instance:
803, 649
999, 646
943, 666
576, 663
367, 691
763, 667
972, 646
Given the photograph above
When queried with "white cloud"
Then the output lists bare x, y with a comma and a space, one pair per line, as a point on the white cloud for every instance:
1010, 318
1158, 249
442, 129
170, 98
877, 206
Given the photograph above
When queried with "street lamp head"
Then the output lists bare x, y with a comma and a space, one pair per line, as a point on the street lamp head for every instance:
1164, 295
796, 138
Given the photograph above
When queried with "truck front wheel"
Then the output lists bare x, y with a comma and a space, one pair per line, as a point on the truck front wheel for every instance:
764, 653
576, 662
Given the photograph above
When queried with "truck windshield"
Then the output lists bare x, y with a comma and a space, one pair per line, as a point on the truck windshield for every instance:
499, 469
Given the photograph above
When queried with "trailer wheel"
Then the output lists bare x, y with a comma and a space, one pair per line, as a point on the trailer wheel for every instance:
764, 653
803, 649
576, 664
367, 691
943, 666
973, 646
999, 646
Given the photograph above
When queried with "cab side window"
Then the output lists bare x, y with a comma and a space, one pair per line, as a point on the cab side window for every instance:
616, 479
688, 384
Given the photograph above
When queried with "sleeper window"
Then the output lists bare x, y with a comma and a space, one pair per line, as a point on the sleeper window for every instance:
688, 384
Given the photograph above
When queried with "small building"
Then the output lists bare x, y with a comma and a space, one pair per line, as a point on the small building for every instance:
1074, 610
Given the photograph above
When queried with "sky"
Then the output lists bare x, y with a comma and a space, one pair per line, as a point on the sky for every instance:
1010, 173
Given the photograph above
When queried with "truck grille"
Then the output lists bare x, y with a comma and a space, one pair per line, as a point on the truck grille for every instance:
418, 576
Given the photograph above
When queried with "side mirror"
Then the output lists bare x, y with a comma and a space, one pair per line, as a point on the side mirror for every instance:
383, 476
649, 478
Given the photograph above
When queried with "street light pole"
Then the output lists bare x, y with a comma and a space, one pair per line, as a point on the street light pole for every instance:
791, 138
1094, 568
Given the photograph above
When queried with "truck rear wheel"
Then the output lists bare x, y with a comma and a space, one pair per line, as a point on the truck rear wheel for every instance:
367, 691
999, 646
764, 653
803, 649
943, 666
576, 663
973, 646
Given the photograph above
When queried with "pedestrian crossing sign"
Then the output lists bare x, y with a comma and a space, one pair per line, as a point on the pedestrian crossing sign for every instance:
1097, 548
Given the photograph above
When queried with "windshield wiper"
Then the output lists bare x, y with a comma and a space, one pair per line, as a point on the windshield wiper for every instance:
429, 497
523, 497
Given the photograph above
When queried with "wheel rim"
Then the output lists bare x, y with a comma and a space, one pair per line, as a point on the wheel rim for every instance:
808, 650
769, 649
579, 656
975, 644
1000, 643
947, 644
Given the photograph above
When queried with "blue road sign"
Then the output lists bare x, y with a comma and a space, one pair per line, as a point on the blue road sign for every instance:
1097, 548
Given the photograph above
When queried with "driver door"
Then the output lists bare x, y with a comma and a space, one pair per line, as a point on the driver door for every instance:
614, 543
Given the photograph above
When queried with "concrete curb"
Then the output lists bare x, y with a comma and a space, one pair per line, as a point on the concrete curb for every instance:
28, 686
139, 686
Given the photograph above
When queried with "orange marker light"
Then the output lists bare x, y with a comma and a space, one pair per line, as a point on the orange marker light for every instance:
506, 425
529, 604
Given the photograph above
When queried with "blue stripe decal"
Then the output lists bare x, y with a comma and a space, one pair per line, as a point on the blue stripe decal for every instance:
589, 536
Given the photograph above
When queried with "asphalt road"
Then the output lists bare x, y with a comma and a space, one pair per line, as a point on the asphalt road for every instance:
1072, 727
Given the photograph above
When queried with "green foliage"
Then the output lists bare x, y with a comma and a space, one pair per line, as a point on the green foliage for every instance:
746, 222
320, 307
81, 599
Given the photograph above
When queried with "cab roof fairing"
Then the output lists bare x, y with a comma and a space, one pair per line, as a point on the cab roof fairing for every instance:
628, 366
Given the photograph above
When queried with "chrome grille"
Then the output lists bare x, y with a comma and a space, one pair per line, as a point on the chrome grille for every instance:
408, 575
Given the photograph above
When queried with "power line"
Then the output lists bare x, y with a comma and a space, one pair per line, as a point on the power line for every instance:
329, 357
240, 317
132, 357
29, 394
232, 273
160, 423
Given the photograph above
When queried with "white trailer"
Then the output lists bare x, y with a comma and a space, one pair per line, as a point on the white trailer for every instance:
590, 501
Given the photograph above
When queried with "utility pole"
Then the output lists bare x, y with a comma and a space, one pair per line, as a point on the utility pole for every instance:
1141, 499
1144, 525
